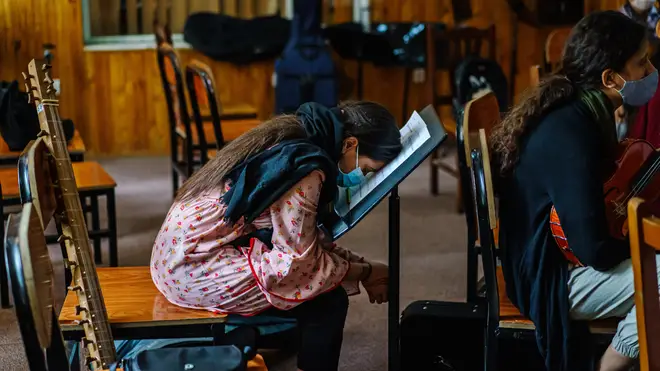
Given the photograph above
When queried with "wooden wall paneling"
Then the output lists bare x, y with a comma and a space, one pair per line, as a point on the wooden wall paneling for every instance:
178, 15
95, 11
110, 18
148, 13
131, 17
163, 11
231, 7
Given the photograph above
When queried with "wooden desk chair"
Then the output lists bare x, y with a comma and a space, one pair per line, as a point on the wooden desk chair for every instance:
453, 45
201, 89
32, 280
184, 140
93, 183
644, 245
504, 319
480, 113
554, 49
534, 75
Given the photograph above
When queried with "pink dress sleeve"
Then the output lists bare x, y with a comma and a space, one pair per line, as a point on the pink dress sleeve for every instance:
297, 268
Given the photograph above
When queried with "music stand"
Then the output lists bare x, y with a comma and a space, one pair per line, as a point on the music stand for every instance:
338, 227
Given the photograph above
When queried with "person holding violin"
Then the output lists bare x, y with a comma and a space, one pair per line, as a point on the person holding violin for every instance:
557, 147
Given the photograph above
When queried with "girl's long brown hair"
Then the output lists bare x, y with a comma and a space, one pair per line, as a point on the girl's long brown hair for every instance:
371, 123
261, 137
601, 40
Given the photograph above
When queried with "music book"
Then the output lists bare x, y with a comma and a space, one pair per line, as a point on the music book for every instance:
421, 135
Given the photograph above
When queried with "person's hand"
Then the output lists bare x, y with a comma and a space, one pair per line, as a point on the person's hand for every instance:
376, 284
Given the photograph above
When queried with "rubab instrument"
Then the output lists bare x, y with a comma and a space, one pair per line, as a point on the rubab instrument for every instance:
91, 307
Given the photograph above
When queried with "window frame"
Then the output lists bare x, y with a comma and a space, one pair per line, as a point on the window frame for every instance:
361, 14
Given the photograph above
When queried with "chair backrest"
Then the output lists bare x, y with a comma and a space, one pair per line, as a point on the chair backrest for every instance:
534, 75
644, 229
201, 90
554, 48
480, 113
31, 272
450, 47
163, 33
171, 76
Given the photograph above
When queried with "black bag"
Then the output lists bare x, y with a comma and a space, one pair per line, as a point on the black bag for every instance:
237, 40
19, 123
208, 358
442, 336
475, 75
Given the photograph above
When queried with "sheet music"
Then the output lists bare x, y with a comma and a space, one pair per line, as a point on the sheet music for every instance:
413, 135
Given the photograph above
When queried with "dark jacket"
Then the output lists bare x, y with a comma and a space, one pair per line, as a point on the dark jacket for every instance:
562, 163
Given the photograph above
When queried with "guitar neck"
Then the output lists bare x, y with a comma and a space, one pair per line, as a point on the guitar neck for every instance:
98, 336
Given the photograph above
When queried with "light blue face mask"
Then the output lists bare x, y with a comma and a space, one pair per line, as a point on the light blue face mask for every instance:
639, 92
355, 177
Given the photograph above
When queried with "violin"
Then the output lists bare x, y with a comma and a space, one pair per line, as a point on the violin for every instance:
636, 174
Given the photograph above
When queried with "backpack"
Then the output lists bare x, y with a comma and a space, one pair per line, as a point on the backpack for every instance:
305, 72
19, 122
475, 76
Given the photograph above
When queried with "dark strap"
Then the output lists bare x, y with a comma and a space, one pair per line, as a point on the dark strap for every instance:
264, 235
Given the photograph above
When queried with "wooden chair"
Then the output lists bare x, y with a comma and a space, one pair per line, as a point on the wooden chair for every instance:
184, 140
534, 75
201, 90
454, 45
554, 49
93, 182
480, 113
32, 280
644, 245
504, 319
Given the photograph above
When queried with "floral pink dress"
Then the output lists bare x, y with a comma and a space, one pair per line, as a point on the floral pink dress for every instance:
194, 265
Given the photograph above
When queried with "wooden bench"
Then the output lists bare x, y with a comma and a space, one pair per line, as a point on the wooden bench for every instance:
136, 309
76, 151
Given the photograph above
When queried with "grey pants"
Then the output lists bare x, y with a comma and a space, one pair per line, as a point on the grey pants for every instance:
595, 295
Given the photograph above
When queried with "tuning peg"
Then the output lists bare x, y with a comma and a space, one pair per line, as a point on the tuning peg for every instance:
80, 309
83, 322
64, 238
92, 360
42, 133
70, 264
74, 288
46, 67
86, 341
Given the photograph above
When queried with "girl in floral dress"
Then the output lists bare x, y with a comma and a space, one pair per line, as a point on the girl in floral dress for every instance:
242, 235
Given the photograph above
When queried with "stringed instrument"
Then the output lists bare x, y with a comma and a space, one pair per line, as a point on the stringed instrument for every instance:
636, 174
91, 307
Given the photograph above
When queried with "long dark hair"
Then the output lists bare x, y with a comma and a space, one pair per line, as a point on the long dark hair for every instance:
601, 40
372, 124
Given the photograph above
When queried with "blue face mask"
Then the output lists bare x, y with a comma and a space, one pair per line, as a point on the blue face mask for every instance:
639, 92
354, 178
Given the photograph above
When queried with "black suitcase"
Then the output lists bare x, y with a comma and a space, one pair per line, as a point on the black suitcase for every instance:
442, 336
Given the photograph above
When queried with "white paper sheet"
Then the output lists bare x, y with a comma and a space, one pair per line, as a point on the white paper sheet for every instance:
413, 135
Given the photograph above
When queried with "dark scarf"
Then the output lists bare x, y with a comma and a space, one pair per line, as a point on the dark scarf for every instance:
602, 110
265, 177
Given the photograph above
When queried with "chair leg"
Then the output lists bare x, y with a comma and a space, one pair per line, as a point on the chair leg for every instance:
459, 192
434, 174
175, 182
112, 227
4, 277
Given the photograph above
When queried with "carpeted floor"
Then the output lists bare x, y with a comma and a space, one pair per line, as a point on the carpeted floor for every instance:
432, 240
